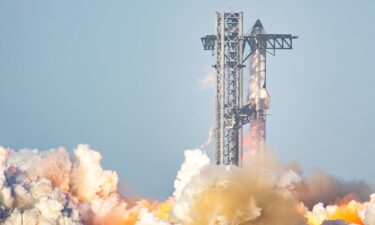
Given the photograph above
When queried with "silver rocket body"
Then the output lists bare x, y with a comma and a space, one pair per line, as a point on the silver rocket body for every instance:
257, 94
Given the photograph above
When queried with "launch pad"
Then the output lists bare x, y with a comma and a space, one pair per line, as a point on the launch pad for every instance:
228, 45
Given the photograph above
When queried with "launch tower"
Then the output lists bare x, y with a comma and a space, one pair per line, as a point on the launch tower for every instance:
231, 113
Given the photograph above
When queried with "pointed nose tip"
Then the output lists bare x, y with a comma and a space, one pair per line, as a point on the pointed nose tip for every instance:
258, 23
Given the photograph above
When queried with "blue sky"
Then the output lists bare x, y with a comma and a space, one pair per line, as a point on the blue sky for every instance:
122, 77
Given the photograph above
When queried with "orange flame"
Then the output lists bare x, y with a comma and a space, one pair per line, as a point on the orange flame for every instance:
124, 216
348, 212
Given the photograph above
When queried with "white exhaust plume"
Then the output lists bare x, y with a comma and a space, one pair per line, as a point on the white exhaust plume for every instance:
54, 165
195, 160
230, 195
88, 180
55, 187
49, 187
209, 139
367, 212
32, 200
147, 218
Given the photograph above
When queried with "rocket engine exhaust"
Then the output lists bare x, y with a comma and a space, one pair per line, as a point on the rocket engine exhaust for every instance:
57, 187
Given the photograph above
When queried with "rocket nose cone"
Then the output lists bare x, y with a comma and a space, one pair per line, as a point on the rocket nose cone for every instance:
258, 24
258, 28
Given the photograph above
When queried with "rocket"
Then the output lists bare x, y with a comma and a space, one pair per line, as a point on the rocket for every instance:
258, 95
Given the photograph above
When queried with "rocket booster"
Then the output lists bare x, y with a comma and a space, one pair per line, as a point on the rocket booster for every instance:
257, 93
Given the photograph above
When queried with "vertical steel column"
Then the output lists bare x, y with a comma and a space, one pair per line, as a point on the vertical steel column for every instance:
240, 71
219, 100
228, 148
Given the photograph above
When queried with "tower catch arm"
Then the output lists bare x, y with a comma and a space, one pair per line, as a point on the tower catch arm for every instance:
268, 42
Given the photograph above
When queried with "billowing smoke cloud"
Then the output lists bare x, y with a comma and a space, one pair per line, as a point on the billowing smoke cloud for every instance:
148, 218
55, 187
229, 195
367, 212
321, 187
88, 180
54, 165
29, 198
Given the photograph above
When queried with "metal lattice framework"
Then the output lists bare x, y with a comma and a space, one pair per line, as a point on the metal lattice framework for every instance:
268, 42
228, 51
228, 45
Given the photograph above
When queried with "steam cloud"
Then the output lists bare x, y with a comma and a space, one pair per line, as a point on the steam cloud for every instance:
208, 80
55, 187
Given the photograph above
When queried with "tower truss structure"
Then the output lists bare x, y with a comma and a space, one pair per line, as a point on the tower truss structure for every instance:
228, 45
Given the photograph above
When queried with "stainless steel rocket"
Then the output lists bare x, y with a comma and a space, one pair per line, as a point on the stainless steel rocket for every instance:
257, 93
